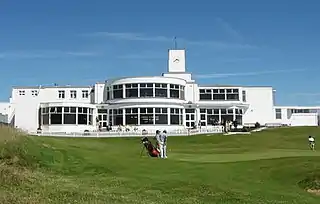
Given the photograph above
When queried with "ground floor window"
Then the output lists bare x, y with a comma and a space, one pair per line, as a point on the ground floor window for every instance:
218, 115
66, 116
146, 116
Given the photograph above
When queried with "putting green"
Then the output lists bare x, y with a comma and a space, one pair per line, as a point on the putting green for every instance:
246, 156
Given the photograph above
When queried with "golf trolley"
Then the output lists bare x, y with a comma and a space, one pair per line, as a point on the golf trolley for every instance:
152, 151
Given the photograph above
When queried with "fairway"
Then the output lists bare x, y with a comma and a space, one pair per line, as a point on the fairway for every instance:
272, 166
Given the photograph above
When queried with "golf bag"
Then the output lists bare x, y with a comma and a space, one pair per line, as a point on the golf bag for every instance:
152, 150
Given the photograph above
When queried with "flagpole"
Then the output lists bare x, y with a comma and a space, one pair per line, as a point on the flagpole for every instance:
175, 42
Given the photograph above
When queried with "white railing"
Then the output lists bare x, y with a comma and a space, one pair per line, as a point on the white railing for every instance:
186, 132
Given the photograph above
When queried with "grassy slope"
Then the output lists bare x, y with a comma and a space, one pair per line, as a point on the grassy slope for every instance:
260, 168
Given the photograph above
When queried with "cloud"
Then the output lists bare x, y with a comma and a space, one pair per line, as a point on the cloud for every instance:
158, 38
223, 75
306, 94
239, 59
144, 55
44, 54
229, 30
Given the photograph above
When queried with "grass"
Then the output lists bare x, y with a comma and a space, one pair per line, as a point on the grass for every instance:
273, 166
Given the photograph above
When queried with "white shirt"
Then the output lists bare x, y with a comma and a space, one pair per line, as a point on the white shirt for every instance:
311, 139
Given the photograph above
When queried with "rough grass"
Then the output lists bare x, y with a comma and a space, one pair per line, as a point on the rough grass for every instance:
274, 166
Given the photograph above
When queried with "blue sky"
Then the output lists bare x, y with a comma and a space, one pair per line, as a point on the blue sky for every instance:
245, 42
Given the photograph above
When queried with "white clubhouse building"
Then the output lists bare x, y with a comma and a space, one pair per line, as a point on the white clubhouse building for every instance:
173, 101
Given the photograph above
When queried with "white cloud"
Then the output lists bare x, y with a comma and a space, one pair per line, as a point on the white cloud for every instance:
229, 30
142, 37
42, 54
223, 75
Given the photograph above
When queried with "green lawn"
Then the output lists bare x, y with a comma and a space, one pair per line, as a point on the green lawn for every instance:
273, 166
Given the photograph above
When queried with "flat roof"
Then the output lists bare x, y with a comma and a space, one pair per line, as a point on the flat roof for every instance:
41, 87
229, 85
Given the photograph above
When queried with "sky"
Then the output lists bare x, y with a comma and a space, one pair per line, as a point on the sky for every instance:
80, 42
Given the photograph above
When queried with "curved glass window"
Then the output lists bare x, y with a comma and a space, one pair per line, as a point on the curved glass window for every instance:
146, 90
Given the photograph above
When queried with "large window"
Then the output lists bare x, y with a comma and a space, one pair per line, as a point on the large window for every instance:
66, 115
69, 115
205, 94
131, 90
219, 94
176, 116
146, 116
174, 91
161, 90
226, 114
232, 94
82, 116
118, 91
213, 117
278, 113
131, 116
117, 117
56, 115
161, 116
146, 90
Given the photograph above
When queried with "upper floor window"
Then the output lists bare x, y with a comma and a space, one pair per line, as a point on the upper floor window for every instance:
131, 90
161, 90
22, 92
244, 96
73, 94
118, 91
34, 92
146, 90
85, 94
61, 94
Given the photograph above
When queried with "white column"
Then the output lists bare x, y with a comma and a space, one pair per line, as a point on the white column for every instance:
76, 115
62, 119
139, 93
139, 115
154, 90
168, 115
124, 116
219, 115
154, 116
88, 113
234, 113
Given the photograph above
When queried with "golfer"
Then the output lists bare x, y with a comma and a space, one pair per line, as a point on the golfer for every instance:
163, 150
312, 142
158, 139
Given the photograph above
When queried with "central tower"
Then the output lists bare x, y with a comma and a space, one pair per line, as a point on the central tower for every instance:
177, 61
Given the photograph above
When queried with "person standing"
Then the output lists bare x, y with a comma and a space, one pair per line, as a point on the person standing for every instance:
163, 151
158, 139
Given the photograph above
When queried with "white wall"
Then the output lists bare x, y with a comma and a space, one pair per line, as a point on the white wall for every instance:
99, 90
260, 100
27, 106
304, 119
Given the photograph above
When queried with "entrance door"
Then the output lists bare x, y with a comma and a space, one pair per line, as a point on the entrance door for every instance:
190, 118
